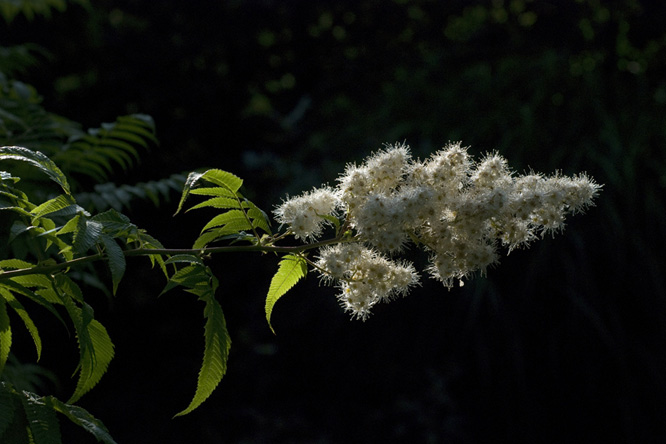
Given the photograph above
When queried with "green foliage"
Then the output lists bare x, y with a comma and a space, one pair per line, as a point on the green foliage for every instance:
24, 122
61, 234
120, 197
37, 159
97, 152
94, 154
28, 417
61, 223
241, 215
292, 268
9, 9
199, 280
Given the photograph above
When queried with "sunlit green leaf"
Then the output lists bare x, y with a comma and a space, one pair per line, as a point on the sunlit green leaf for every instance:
191, 180
235, 220
53, 205
216, 351
218, 202
223, 179
95, 348
290, 270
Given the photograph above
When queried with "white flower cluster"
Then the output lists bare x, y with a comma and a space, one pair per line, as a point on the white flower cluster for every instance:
364, 276
459, 210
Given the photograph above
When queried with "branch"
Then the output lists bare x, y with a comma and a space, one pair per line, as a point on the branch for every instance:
49, 269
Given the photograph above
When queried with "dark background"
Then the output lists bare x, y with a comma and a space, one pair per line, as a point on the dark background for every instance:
564, 342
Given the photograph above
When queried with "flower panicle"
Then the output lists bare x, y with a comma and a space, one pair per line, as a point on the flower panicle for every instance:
460, 211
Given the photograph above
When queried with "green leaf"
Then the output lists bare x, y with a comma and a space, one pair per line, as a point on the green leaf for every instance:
15, 286
62, 204
224, 179
188, 277
232, 220
213, 191
191, 180
23, 314
291, 269
95, 346
115, 259
218, 202
114, 223
42, 419
5, 335
216, 351
86, 235
210, 236
69, 227
14, 264
39, 160
259, 218
83, 419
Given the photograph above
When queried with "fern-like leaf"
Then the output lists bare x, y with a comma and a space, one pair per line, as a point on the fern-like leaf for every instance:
291, 269
95, 153
109, 195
